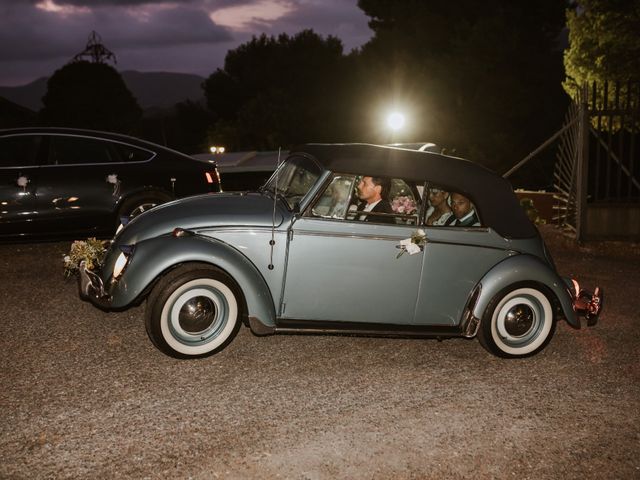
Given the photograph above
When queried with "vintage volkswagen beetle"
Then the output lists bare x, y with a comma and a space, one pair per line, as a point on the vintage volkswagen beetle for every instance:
295, 257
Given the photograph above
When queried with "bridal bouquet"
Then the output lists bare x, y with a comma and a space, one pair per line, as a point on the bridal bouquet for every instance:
403, 204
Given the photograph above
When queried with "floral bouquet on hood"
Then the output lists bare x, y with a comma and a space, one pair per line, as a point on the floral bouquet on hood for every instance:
91, 251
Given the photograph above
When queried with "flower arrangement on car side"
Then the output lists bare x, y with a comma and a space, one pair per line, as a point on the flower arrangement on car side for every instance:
91, 251
414, 244
403, 204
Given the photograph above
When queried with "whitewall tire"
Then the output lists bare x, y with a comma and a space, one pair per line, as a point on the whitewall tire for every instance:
518, 323
193, 313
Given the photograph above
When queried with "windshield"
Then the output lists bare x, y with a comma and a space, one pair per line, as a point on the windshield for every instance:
294, 179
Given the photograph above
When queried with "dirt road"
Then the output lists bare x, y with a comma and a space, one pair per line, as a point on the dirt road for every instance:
84, 394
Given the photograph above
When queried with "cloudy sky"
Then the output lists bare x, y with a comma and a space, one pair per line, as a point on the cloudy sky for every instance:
191, 36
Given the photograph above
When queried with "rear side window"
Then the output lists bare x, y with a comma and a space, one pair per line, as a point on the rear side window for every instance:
449, 208
127, 153
19, 150
67, 150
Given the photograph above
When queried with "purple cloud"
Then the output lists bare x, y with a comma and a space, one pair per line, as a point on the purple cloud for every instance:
39, 36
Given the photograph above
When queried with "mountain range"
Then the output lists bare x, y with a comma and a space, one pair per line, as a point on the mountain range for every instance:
153, 90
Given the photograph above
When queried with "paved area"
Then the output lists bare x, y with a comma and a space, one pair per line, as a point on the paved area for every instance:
84, 394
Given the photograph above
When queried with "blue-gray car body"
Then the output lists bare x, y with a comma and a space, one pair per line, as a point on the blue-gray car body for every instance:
294, 268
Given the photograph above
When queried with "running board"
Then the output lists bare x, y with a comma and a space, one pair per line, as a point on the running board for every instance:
315, 327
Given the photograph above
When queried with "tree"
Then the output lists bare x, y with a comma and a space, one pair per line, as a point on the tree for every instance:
278, 91
604, 43
482, 77
89, 95
182, 127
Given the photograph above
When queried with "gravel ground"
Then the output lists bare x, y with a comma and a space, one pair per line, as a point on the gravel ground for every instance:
85, 394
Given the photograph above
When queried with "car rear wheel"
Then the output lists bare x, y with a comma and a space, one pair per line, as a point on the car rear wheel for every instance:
517, 323
193, 312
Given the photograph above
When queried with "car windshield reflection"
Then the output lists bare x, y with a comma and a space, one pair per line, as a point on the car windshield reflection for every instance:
293, 180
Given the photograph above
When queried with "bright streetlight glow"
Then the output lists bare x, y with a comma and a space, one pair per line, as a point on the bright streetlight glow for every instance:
395, 121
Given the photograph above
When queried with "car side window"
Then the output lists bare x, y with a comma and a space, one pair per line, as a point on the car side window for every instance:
127, 153
447, 207
69, 150
19, 150
335, 201
345, 198
294, 178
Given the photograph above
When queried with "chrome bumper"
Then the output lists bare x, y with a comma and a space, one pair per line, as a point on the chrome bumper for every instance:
91, 287
587, 304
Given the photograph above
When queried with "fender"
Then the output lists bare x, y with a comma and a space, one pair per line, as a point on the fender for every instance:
524, 268
157, 255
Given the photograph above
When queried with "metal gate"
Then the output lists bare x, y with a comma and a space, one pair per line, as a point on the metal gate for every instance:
598, 162
598, 157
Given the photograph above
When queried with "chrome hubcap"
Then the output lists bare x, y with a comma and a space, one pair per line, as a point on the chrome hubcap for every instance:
197, 315
519, 320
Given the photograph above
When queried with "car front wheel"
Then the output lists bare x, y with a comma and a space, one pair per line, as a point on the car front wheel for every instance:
193, 312
518, 323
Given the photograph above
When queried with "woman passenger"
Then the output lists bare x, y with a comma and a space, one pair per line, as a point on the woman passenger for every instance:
439, 210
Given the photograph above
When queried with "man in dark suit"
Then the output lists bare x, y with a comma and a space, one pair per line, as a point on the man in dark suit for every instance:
464, 215
373, 191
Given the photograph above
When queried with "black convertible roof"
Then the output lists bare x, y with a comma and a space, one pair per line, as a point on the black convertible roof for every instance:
493, 195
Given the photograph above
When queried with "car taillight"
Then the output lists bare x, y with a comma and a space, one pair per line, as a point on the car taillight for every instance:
209, 177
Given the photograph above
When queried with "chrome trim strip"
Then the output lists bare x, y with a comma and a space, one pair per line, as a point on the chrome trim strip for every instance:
79, 135
349, 235
392, 238
207, 230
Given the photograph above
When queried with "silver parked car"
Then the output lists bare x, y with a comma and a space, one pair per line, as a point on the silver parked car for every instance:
357, 239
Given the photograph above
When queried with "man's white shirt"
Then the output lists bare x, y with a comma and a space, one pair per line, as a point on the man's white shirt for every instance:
368, 207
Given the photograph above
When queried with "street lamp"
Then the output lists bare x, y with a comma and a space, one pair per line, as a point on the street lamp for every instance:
395, 121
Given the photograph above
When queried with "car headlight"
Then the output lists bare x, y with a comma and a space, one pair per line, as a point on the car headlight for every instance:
126, 251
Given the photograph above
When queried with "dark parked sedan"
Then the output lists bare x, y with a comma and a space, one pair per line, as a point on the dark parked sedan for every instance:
58, 182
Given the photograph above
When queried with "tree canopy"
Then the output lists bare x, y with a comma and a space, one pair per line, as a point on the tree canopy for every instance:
277, 91
89, 95
604, 42
483, 78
